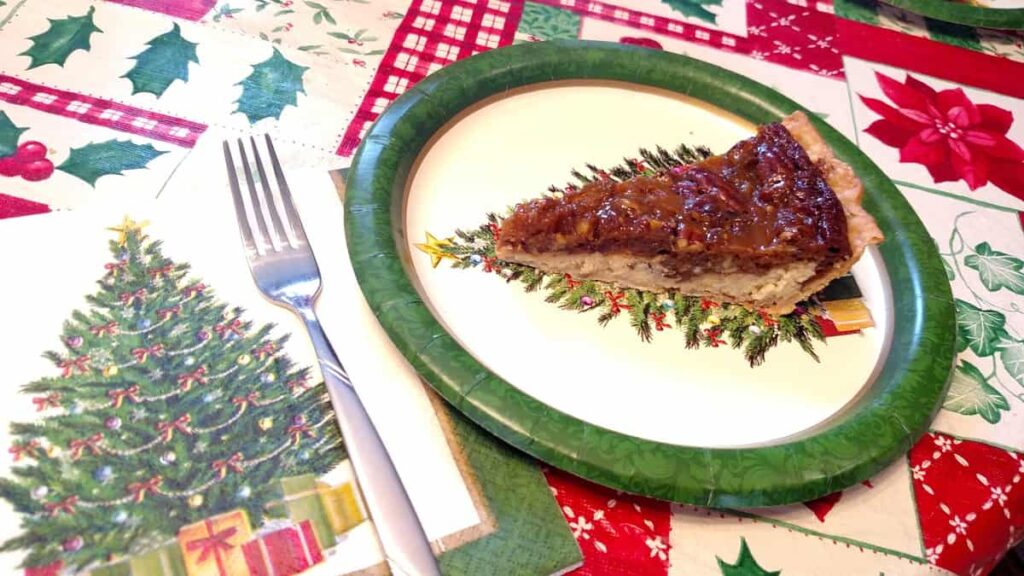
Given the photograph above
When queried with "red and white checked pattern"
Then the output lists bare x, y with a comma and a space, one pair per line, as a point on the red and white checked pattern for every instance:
433, 34
644, 21
101, 112
969, 500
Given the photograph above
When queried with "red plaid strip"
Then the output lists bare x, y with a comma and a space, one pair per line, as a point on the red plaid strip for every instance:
100, 112
433, 34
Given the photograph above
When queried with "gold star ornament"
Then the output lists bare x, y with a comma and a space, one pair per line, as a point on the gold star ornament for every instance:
436, 249
127, 226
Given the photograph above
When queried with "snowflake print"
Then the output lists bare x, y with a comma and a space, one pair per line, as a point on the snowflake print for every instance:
943, 443
920, 470
657, 547
758, 55
580, 526
959, 526
757, 31
934, 553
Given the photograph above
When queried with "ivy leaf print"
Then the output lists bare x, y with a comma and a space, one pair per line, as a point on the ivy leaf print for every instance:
93, 161
745, 565
695, 8
165, 60
996, 269
272, 85
322, 13
9, 135
1011, 354
970, 394
61, 39
981, 330
548, 22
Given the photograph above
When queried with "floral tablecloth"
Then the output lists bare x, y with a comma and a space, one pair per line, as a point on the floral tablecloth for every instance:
115, 95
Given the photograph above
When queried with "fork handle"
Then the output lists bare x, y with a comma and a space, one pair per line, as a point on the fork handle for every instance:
405, 544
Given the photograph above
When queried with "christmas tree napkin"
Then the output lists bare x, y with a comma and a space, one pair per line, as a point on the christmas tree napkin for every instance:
159, 412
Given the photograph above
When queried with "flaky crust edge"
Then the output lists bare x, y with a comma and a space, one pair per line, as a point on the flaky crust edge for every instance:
861, 228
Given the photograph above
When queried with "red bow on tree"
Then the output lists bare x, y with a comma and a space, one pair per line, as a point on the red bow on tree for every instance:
189, 292
215, 544
706, 304
118, 396
297, 384
197, 376
613, 300
161, 271
235, 326
571, 282
28, 449
265, 350
767, 318
114, 267
66, 506
243, 401
165, 313
129, 297
138, 489
69, 366
659, 321
141, 354
92, 443
297, 431
51, 400
234, 463
180, 424
108, 329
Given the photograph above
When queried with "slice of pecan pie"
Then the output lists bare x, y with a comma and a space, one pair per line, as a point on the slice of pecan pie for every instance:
764, 225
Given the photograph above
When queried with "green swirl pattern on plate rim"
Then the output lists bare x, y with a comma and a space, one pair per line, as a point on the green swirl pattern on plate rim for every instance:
878, 427
965, 14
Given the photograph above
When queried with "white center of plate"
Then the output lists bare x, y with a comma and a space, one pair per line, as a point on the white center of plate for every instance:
512, 149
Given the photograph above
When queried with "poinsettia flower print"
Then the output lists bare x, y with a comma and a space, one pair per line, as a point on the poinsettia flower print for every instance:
954, 138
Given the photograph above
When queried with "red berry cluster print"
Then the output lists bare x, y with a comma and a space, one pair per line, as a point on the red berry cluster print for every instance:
28, 161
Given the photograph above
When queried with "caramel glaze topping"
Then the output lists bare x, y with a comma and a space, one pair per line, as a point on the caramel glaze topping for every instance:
762, 203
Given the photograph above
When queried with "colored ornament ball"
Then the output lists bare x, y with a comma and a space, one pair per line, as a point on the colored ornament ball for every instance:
74, 341
202, 335
195, 501
73, 544
190, 360
103, 474
243, 493
267, 377
265, 423
168, 458
110, 371
668, 305
299, 419
587, 301
304, 455
75, 408
119, 517
244, 359
144, 323
40, 492
475, 259
112, 423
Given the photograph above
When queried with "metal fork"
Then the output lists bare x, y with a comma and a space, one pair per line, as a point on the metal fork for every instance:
285, 270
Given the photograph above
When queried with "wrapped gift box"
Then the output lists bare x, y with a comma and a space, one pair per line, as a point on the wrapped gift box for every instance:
283, 552
299, 500
213, 547
341, 505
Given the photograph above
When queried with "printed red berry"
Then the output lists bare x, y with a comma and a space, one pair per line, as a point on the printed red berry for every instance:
37, 170
30, 151
9, 166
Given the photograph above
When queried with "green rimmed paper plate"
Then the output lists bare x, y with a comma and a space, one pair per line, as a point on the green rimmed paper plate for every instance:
1010, 17
696, 426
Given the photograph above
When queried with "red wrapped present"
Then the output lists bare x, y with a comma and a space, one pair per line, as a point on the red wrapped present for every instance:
283, 552
52, 569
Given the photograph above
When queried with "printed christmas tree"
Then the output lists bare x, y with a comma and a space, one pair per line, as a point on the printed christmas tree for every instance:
166, 407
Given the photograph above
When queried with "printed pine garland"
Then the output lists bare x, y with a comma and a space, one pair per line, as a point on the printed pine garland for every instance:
704, 323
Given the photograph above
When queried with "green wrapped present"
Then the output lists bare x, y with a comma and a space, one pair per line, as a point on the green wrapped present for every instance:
163, 561
119, 569
299, 500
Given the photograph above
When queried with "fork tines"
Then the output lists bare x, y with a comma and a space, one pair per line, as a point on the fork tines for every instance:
274, 204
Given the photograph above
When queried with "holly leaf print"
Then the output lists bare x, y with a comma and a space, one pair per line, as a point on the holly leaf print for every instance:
996, 269
61, 39
695, 8
970, 394
980, 330
272, 85
1011, 354
9, 135
95, 160
745, 565
165, 60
